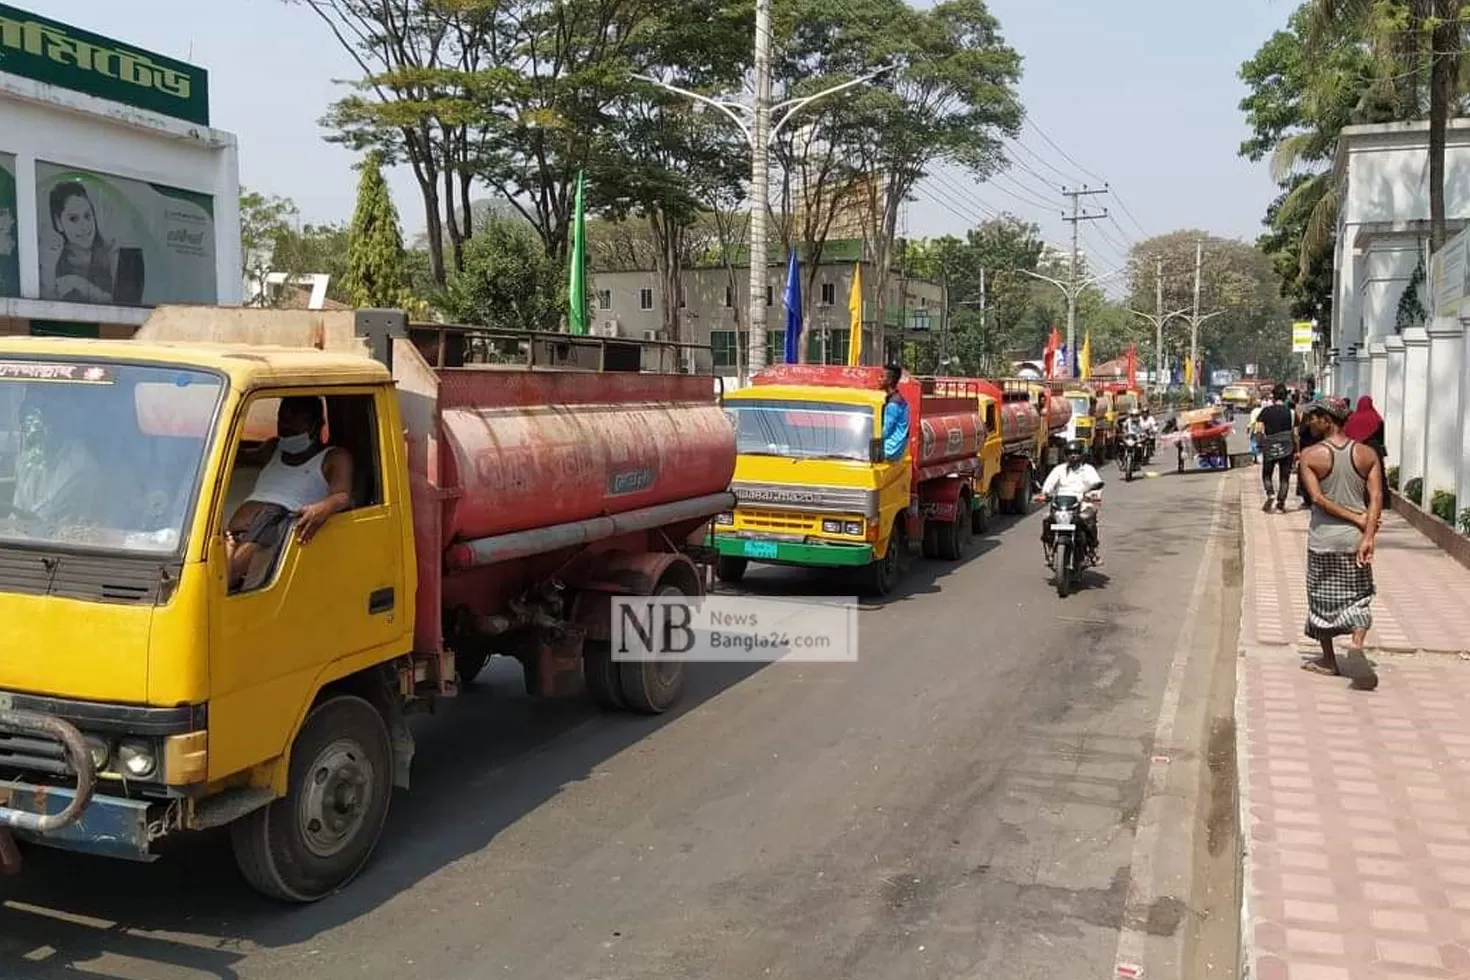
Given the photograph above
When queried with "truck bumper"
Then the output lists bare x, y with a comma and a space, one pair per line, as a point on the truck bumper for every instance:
109, 826
811, 555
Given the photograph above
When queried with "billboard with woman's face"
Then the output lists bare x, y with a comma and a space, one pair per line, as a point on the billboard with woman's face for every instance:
9, 242
119, 242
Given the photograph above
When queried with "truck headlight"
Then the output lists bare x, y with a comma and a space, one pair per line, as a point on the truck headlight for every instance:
831, 527
101, 752
854, 528
726, 519
136, 759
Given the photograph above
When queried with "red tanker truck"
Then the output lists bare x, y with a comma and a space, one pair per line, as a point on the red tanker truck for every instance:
493, 510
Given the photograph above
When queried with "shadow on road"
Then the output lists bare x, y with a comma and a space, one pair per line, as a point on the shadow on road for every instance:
484, 760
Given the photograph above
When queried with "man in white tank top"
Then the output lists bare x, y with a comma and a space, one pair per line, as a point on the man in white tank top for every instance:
301, 479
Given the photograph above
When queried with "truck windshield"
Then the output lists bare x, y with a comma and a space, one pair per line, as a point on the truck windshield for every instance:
1081, 406
802, 429
101, 456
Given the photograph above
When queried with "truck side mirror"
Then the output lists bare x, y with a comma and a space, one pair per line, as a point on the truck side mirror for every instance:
875, 451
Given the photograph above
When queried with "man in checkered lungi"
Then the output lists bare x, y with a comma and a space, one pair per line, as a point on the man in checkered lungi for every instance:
1342, 479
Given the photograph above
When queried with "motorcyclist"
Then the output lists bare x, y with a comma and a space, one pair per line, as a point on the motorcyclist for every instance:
1076, 478
1150, 433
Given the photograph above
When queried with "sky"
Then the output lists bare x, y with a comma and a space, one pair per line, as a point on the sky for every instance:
1141, 94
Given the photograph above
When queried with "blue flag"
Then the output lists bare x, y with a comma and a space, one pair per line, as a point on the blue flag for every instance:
793, 310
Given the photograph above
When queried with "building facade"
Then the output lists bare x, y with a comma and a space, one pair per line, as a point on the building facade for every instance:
116, 195
713, 312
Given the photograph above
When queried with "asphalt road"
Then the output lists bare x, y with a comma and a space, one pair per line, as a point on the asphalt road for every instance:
962, 802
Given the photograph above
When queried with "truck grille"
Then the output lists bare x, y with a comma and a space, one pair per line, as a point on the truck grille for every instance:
104, 578
27, 753
778, 521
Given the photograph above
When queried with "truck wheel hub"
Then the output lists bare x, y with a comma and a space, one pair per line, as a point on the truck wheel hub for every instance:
334, 804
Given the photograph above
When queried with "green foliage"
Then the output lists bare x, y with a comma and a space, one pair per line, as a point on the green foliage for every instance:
1442, 505
508, 281
1465, 521
1414, 492
1393, 477
1255, 327
375, 256
272, 240
1410, 311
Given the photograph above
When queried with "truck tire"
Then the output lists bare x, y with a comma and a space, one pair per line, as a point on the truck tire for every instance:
929, 547
316, 839
954, 537
651, 687
600, 674
730, 569
981, 517
884, 574
1021, 502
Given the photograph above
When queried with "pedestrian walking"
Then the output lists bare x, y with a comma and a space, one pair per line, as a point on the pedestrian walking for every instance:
1339, 475
1365, 425
1306, 438
1277, 439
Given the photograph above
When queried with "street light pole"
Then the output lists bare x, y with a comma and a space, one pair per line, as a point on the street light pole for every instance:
759, 133
1071, 290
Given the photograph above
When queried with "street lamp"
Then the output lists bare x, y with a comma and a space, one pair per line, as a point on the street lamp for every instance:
759, 139
1072, 291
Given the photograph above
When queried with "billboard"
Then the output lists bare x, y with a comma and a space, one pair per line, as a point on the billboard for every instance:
9, 240
119, 242
1449, 275
1301, 336
57, 54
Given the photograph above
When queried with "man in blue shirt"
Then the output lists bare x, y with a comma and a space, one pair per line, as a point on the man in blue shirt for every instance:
895, 416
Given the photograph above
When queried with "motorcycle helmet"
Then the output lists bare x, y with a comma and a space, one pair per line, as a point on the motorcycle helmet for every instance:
1075, 448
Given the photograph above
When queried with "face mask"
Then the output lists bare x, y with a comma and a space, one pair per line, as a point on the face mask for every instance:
296, 444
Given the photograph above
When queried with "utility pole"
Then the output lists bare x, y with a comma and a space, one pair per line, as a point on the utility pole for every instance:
1197, 319
759, 133
1158, 318
984, 326
760, 185
1075, 219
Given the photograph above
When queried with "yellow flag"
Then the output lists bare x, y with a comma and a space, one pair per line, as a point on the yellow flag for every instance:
1188, 372
855, 318
1085, 361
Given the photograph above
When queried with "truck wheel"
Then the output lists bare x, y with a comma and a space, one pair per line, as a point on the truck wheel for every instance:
954, 537
600, 674
652, 687
982, 515
885, 573
319, 836
730, 569
929, 547
469, 662
1021, 502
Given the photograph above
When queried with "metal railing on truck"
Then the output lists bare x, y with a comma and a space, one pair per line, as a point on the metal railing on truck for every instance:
455, 345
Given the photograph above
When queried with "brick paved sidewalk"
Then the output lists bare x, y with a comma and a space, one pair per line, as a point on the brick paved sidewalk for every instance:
1423, 600
1355, 806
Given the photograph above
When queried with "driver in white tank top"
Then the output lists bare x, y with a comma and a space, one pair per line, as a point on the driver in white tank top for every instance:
302, 480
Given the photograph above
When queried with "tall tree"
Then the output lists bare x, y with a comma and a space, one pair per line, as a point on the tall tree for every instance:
375, 255
508, 281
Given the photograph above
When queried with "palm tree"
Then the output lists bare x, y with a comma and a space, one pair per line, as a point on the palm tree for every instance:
1417, 47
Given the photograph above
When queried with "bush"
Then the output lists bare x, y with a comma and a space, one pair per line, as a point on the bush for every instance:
1414, 492
1442, 505
1465, 522
1393, 477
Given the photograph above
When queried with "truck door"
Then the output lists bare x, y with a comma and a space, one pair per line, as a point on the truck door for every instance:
305, 606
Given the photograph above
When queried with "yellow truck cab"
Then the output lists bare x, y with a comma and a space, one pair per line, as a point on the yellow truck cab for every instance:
156, 679
814, 488
1082, 426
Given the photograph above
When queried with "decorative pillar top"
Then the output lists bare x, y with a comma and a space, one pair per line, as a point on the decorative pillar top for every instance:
1415, 337
1446, 327
1393, 342
1376, 350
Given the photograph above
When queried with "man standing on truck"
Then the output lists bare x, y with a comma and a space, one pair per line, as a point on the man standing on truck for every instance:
302, 479
895, 416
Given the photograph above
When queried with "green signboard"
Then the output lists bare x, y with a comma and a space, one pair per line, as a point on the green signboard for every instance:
46, 51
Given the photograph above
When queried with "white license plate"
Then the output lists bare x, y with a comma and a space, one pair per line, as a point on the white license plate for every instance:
1064, 527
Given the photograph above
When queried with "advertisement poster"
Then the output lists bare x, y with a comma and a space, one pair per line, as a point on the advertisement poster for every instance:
9, 243
119, 242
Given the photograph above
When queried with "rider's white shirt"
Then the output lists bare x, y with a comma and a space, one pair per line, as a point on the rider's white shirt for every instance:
1071, 483
1150, 426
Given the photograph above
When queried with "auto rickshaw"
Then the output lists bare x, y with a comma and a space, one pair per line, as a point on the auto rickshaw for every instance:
1206, 432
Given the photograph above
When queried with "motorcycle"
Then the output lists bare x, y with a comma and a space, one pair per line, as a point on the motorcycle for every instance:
1068, 551
1128, 456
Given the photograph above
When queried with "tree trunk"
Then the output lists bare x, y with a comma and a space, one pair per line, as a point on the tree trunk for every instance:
1442, 77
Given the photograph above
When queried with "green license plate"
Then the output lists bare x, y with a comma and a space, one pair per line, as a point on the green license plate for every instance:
760, 549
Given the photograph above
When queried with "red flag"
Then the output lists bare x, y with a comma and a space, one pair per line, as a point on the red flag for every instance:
1133, 365
1049, 358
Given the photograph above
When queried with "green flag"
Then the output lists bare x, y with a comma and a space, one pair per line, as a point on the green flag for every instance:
577, 293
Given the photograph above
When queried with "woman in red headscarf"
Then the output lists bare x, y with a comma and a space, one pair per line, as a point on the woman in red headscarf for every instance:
1366, 426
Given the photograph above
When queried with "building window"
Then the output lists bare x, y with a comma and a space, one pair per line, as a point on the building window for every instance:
836, 347
723, 348
770, 295
923, 302
829, 294
775, 346
645, 299
604, 299
683, 297
729, 297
